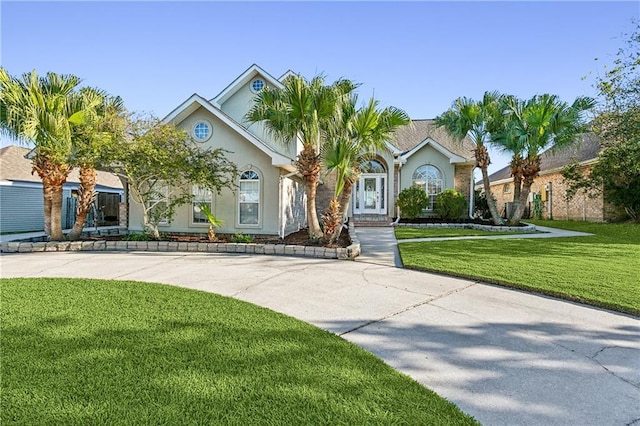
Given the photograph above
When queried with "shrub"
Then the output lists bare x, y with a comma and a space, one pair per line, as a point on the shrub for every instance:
241, 238
412, 201
450, 205
136, 237
481, 205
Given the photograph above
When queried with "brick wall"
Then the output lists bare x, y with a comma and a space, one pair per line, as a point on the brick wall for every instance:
557, 205
461, 180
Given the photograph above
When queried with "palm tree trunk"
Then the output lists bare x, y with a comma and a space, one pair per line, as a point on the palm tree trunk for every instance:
86, 196
332, 221
47, 210
519, 206
56, 214
53, 176
308, 164
482, 162
345, 199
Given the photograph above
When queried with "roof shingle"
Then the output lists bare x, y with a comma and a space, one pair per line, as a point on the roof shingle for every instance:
408, 137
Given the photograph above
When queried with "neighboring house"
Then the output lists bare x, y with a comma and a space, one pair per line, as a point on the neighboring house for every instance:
552, 189
21, 199
269, 198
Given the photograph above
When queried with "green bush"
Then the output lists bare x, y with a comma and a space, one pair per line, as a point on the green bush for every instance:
450, 205
241, 238
412, 201
137, 237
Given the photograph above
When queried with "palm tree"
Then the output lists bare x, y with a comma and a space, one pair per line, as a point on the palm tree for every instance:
103, 119
353, 137
532, 126
40, 110
475, 119
301, 110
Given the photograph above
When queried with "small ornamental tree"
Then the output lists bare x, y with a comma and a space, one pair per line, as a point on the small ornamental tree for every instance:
412, 201
451, 205
160, 163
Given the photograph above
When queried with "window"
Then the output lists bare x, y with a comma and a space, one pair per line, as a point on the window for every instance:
200, 196
249, 198
257, 85
202, 131
506, 188
430, 178
371, 166
158, 204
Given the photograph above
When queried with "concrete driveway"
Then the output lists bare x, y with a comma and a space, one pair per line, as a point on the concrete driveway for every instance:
503, 356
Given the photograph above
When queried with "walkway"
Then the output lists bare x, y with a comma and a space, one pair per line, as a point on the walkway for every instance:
503, 356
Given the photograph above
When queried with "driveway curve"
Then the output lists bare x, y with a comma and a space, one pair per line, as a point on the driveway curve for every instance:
503, 356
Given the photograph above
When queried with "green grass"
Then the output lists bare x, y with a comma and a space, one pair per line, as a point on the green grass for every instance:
79, 352
602, 270
403, 233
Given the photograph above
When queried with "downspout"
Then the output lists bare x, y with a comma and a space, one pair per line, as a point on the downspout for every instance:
399, 186
472, 192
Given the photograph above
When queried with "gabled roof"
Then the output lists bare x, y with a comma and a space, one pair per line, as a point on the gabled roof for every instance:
585, 149
196, 101
412, 137
15, 166
243, 79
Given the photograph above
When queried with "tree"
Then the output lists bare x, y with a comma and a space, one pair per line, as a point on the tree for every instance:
617, 123
529, 127
40, 111
103, 120
475, 119
301, 110
354, 136
160, 164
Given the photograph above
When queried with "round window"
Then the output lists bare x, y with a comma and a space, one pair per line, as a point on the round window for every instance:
257, 85
202, 131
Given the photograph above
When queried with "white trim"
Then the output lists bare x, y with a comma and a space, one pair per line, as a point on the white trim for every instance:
243, 79
193, 131
187, 108
251, 168
453, 158
289, 73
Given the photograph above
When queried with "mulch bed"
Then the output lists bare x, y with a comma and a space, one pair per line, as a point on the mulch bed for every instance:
300, 238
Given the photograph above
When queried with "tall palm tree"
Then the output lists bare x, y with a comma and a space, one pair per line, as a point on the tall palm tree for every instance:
475, 119
39, 110
103, 119
532, 126
353, 137
301, 110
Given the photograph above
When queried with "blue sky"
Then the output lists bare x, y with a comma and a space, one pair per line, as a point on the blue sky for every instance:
418, 56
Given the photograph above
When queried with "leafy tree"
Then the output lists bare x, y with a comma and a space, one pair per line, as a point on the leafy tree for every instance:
40, 111
529, 127
301, 110
412, 201
475, 119
160, 164
104, 119
617, 123
354, 136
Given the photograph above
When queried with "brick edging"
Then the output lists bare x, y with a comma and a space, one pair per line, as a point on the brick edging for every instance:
348, 253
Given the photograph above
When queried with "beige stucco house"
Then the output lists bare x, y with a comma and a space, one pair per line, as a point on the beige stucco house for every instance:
552, 188
270, 198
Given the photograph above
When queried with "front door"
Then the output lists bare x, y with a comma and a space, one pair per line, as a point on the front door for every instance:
370, 194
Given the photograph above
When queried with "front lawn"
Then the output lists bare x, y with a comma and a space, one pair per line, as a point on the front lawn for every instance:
601, 270
404, 233
80, 352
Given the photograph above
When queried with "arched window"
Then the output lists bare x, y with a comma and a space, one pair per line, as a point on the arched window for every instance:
371, 166
430, 178
249, 198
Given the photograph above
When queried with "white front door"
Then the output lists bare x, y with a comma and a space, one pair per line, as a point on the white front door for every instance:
370, 194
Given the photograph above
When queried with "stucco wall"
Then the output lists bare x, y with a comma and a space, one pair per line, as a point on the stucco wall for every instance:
225, 205
239, 104
294, 211
427, 155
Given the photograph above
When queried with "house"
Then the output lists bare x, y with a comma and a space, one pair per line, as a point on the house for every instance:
551, 188
21, 199
270, 198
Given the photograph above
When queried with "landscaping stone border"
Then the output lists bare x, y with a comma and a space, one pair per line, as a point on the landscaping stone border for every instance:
347, 253
491, 228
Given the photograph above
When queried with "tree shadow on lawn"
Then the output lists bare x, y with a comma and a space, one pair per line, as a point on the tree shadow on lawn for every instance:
66, 369
515, 373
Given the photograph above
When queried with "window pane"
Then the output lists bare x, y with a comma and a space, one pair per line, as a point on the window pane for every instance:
249, 213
